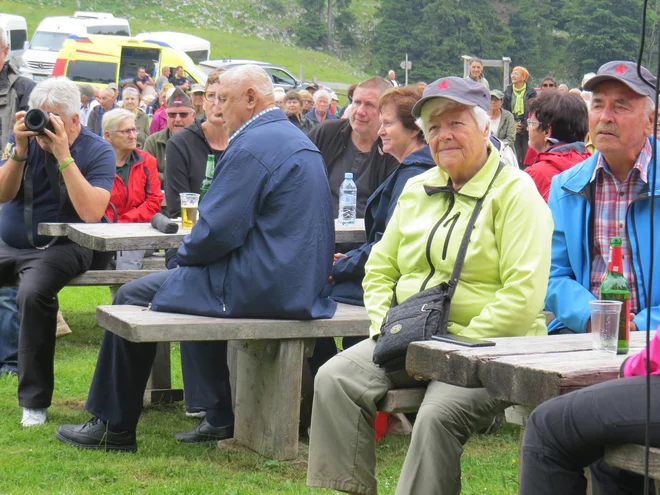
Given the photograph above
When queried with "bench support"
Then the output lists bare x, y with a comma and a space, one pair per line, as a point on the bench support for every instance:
267, 407
159, 387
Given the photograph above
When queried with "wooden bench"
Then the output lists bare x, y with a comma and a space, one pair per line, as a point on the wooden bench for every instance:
631, 458
267, 355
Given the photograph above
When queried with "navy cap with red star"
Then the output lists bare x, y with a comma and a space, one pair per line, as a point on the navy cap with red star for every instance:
626, 73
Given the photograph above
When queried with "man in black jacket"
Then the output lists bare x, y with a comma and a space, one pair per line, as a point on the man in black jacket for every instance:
353, 145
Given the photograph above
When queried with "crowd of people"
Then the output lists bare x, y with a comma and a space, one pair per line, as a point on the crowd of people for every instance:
423, 157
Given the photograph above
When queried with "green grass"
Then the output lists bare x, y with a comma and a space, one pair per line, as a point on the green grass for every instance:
229, 37
33, 461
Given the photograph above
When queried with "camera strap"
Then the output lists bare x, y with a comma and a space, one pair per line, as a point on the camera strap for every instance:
59, 190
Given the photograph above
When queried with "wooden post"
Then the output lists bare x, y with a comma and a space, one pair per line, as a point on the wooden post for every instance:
159, 386
267, 408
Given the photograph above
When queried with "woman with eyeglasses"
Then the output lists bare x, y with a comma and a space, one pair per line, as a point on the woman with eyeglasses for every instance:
516, 100
136, 194
557, 127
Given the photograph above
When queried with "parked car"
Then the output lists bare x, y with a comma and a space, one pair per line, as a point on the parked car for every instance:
281, 77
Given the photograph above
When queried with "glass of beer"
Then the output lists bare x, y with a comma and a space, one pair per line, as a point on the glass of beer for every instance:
189, 203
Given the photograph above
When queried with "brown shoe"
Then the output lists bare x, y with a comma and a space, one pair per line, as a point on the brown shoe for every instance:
62, 328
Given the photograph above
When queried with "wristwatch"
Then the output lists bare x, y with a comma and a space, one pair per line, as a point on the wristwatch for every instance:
17, 158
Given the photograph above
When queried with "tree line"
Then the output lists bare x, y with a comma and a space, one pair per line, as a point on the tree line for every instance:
561, 38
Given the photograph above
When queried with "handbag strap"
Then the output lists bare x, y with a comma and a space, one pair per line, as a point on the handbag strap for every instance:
462, 250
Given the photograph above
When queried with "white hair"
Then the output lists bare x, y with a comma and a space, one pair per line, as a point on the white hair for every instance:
251, 75
321, 93
57, 92
436, 106
113, 118
130, 92
3, 39
279, 96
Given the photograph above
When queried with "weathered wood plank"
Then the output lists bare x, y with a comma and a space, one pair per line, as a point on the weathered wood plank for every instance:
53, 229
106, 277
139, 324
267, 407
402, 400
460, 366
534, 378
631, 458
134, 236
159, 386
154, 263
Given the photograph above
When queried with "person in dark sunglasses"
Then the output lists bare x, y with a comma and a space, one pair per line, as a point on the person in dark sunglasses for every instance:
180, 114
548, 83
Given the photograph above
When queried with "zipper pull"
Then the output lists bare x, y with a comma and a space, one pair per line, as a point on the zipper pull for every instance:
224, 307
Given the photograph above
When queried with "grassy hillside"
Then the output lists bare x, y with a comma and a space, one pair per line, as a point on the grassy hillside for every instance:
235, 28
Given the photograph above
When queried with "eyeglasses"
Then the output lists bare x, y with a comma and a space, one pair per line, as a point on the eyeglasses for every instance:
550, 85
173, 115
308, 101
533, 123
128, 132
211, 97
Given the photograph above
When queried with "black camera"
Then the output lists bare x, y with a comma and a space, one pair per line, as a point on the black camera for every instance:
36, 120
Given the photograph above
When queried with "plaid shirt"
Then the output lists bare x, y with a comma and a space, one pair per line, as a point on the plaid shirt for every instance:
611, 204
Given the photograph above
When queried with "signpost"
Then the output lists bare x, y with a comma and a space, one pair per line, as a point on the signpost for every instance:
406, 65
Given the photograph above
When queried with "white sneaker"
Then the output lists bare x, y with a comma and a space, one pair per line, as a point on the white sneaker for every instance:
34, 417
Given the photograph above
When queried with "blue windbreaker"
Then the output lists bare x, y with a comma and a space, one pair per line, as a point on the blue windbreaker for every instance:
263, 244
571, 201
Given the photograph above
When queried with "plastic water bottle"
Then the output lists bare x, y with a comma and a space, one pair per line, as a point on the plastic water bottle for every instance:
347, 200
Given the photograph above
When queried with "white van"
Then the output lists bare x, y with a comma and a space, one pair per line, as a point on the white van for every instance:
198, 49
40, 55
15, 29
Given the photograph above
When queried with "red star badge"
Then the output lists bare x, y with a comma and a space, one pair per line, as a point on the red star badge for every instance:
620, 69
443, 85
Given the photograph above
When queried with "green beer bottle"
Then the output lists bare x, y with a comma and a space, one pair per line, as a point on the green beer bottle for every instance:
615, 288
206, 183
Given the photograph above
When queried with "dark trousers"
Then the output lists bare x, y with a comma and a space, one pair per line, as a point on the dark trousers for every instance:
42, 273
123, 368
566, 434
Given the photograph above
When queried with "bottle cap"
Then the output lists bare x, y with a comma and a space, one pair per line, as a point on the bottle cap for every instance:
615, 241
348, 175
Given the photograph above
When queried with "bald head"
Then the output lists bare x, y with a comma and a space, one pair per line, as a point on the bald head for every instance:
244, 92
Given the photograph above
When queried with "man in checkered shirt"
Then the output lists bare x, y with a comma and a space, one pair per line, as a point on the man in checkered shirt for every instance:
607, 195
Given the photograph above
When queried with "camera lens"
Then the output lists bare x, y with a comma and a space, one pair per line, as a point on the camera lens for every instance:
36, 120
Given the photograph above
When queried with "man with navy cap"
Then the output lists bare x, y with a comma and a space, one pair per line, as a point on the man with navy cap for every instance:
607, 195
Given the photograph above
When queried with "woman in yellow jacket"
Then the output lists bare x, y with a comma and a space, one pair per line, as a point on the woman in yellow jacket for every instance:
500, 293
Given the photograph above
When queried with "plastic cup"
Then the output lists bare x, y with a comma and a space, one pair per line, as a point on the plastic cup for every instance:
189, 204
605, 325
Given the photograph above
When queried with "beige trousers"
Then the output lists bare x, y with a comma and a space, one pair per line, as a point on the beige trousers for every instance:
342, 448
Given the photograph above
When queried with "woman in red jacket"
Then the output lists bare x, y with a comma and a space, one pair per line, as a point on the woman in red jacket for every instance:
136, 194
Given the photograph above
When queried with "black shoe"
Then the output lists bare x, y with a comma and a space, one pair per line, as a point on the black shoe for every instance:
204, 432
95, 435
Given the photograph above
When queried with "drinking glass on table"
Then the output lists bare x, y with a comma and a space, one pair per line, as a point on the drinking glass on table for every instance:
189, 204
605, 325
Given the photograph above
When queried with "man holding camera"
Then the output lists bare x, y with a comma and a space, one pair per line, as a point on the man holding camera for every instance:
57, 172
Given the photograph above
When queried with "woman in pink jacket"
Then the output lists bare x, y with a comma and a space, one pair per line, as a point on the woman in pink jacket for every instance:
569, 433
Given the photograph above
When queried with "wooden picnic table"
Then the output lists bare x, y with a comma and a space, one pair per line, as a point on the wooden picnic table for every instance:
137, 236
520, 370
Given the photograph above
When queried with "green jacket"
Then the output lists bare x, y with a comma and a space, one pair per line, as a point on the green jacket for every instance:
142, 123
155, 145
505, 275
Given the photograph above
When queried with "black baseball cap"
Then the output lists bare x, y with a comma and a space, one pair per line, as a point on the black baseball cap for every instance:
626, 73
463, 91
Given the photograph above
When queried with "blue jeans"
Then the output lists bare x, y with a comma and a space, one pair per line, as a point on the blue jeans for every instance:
8, 330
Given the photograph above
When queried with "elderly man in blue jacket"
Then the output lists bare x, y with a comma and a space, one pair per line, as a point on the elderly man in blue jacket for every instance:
607, 195
262, 248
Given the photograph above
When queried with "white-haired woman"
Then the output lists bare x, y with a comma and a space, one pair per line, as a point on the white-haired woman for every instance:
131, 98
136, 194
320, 112
500, 293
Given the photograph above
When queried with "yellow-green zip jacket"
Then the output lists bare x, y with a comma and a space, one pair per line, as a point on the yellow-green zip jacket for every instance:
505, 275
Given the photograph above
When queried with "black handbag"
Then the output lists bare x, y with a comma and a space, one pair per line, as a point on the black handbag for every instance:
423, 314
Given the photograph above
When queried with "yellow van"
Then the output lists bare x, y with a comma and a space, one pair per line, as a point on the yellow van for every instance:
101, 60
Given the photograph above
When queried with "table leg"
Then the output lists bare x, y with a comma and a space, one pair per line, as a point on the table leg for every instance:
159, 386
267, 407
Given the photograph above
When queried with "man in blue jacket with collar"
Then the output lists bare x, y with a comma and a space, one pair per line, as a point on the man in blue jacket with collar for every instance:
262, 248
607, 195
